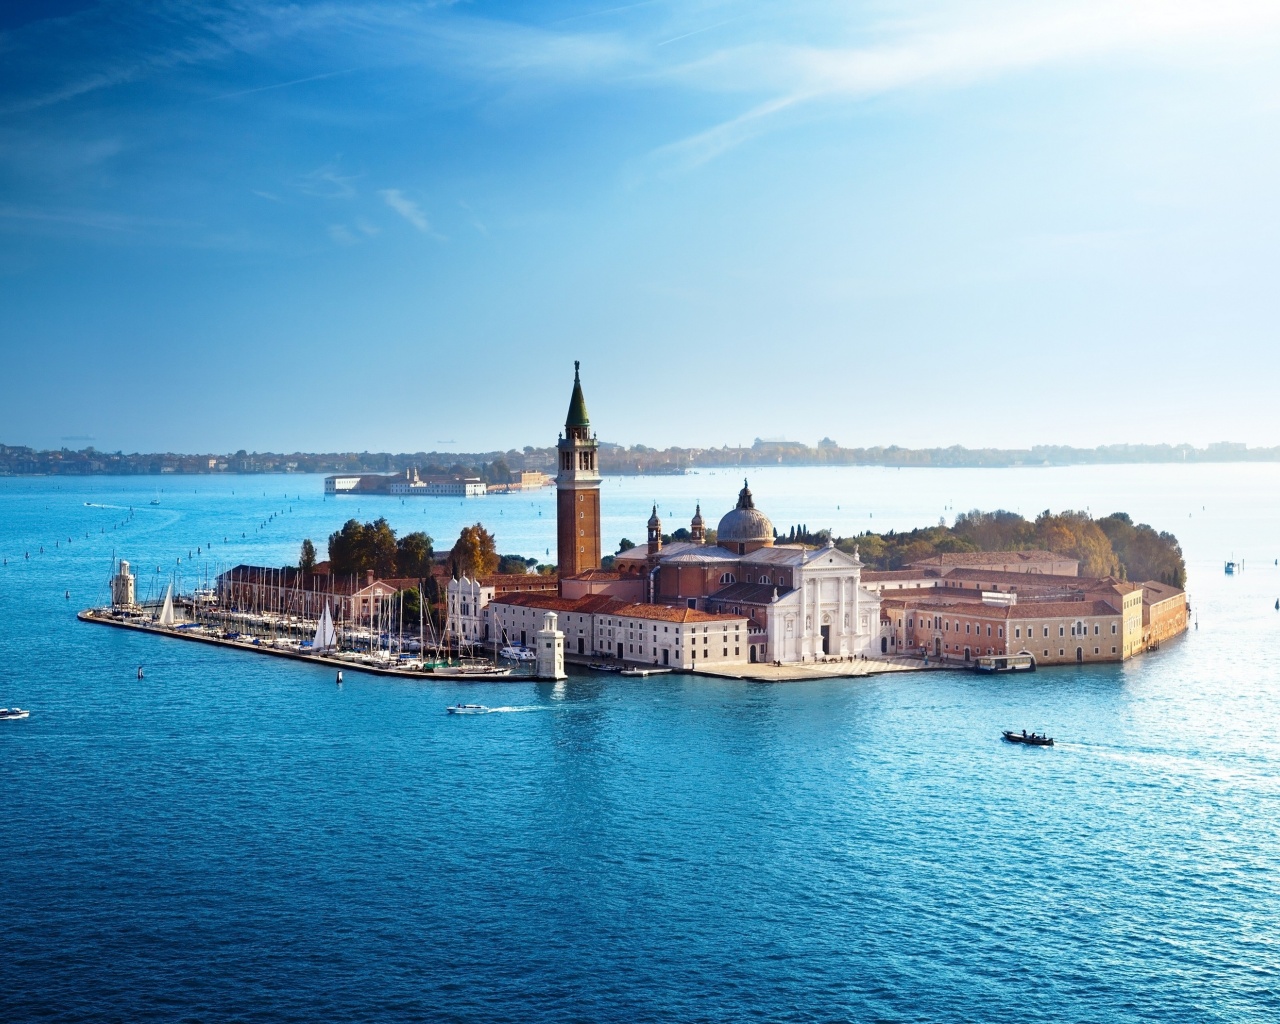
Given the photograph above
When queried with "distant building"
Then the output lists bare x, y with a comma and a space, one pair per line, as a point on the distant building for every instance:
410, 482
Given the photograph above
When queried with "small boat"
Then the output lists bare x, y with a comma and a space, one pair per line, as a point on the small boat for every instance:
1023, 661
601, 666
1030, 739
514, 652
467, 709
1230, 567
13, 713
482, 670
641, 673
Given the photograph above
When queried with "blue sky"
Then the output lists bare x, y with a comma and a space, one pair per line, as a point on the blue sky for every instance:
340, 225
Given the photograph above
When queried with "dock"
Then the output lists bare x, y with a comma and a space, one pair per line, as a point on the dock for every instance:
287, 649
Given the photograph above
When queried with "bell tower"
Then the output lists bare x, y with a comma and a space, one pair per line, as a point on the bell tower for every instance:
577, 490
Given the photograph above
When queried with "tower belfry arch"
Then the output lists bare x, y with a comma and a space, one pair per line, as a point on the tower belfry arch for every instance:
577, 489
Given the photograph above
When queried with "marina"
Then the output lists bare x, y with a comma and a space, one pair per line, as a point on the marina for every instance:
382, 663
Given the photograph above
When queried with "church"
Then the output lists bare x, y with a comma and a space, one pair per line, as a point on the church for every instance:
799, 603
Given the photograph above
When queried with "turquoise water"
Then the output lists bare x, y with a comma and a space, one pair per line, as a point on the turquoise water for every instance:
236, 838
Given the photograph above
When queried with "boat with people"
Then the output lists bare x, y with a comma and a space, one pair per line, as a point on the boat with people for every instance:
13, 713
602, 666
1031, 739
514, 652
467, 709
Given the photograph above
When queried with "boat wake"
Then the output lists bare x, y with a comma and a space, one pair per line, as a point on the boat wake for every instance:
531, 707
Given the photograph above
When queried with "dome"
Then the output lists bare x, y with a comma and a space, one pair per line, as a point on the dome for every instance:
745, 524
654, 521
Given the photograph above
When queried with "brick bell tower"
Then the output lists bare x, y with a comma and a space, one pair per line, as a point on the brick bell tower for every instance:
577, 490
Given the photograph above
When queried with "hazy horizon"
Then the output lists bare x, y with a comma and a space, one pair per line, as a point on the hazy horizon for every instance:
334, 226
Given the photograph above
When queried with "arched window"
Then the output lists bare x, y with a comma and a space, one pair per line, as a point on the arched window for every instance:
764, 579
727, 578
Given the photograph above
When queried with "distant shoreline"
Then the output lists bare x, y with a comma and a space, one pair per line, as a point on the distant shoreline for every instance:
615, 460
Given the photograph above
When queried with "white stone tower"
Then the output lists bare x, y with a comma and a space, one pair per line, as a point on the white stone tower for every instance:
123, 594
550, 641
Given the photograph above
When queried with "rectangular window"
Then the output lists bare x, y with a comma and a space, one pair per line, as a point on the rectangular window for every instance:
1061, 631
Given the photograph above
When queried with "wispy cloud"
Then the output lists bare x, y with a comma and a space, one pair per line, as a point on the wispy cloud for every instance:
327, 182
341, 234
970, 43
407, 209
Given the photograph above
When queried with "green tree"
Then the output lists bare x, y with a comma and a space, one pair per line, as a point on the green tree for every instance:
307, 559
625, 545
414, 556
475, 553
381, 542
347, 549
515, 564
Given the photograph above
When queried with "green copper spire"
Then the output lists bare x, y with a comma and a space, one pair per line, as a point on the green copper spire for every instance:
577, 404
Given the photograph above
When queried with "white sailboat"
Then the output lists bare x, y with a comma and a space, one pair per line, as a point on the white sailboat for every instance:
166, 612
326, 635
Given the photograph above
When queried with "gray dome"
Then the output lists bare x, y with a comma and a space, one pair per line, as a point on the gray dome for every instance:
745, 523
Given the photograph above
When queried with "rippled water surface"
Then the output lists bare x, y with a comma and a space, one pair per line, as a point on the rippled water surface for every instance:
236, 838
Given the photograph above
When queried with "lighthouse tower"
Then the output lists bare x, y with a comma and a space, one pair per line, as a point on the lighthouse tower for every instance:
577, 490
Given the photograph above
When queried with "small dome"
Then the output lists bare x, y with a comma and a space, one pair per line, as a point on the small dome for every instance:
653, 519
745, 523
697, 516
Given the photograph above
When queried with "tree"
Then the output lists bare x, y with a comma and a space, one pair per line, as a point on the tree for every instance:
380, 540
307, 559
414, 556
625, 545
347, 552
511, 565
474, 553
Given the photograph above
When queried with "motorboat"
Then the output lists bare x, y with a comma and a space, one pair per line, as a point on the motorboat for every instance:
13, 713
1023, 661
467, 709
1030, 739
602, 666
641, 673
514, 652
475, 669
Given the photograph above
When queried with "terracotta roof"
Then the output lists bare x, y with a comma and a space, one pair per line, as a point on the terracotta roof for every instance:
663, 613
892, 575
934, 601
749, 593
958, 558
503, 578
590, 605
1154, 593
598, 576
1021, 579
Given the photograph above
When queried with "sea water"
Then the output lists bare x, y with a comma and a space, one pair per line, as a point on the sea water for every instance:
236, 838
